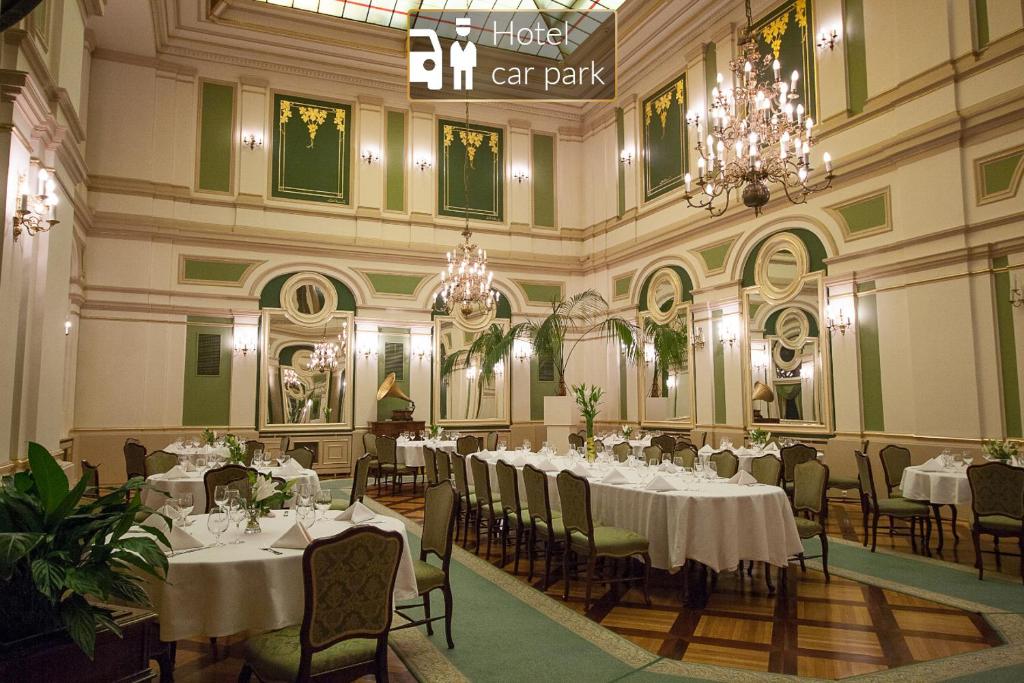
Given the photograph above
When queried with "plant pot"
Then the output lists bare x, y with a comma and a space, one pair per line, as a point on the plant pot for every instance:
252, 525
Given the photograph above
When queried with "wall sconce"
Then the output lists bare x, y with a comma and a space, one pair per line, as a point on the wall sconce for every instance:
471, 372
698, 338
67, 327
367, 344
760, 358
806, 371
421, 348
828, 39
499, 368
423, 164
727, 332
1017, 295
671, 382
520, 175
36, 212
626, 158
836, 318
521, 349
245, 341
649, 355
252, 141
370, 156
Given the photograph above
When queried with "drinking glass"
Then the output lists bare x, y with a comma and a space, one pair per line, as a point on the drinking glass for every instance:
323, 502
185, 507
712, 469
677, 461
304, 511
968, 459
220, 495
217, 522
200, 462
501, 447
283, 458
527, 446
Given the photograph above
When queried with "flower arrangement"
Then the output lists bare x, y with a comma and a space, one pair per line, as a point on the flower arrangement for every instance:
1003, 451
264, 495
759, 437
589, 401
209, 436
627, 431
236, 449
435, 431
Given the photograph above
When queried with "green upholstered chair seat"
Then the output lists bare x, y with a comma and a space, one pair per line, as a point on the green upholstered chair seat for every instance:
428, 577
902, 506
494, 503
999, 523
513, 517
845, 483
613, 541
275, 655
557, 528
807, 528
388, 467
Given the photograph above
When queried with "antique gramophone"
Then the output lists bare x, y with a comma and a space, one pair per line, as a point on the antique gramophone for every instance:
762, 392
387, 389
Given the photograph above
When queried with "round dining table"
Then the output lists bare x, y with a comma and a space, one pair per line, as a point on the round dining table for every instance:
160, 487
179, 448
223, 590
945, 486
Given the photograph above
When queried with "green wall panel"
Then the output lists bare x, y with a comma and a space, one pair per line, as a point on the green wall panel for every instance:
623, 388
544, 180
997, 175
620, 139
312, 150
1007, 351
540, 293
979, 15
206, 399
870, 359
394, 158
665, 138
787, 34
473, 159
394, 283
856, 56
710, 72
216, 133
620, 286
216, 271
685, 281
714, 256
718, 367
865, 215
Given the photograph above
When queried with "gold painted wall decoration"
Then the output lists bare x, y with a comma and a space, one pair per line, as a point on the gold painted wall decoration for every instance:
665, 138
312, 150
472, 157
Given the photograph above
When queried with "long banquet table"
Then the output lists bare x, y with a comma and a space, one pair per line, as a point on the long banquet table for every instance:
224, 590
410, 453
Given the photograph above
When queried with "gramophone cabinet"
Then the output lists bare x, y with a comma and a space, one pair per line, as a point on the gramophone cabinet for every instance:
394, 428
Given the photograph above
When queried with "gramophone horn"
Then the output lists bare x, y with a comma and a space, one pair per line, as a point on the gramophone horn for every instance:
762, 392
389, 388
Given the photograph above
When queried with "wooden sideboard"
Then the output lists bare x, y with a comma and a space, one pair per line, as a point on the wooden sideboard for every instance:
394, 429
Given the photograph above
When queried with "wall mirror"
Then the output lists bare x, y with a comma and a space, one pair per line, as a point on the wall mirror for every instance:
665, 368
788, 382
465, 395
306, 360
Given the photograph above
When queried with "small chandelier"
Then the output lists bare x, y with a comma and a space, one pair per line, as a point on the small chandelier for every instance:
466, 281
324, 358
37, 212
758, 135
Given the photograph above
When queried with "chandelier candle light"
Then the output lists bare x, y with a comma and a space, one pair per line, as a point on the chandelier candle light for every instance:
324, 358
758, 134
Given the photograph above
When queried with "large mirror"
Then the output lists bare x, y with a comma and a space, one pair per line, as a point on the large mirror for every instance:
665, 368
306, 360
787, 369
465, 394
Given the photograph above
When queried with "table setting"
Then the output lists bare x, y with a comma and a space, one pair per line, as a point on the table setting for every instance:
410, 450
745, 454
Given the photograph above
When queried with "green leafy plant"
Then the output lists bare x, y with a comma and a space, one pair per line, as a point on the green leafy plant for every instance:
759, 437
589, 401
627, 431
265, 494
236, 449
434, 431
668, 341
1003, 451
58, 552
209, 436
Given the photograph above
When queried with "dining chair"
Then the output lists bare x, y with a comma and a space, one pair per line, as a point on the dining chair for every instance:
545, 525
687, 453
436, 540
443, 464
467, 494
339, 639
899, 508
652, 455
598, 446
622, 450
134, 459
467, 445
576, 441
997, 501
894, 459
492, 441
360, 479
301, 455
387, 454
370, 448
792, 456
810, 483
429, 465
726, 463
488, 510
159, 462
681, 443
237, 475
514, 517
91, 473
767, 469
666, 443
582, 537
251, 446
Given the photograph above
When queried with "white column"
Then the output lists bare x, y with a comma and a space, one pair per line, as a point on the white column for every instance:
244, 372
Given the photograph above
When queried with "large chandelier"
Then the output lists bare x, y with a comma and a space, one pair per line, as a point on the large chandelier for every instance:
324, 358
759, 135
465, 280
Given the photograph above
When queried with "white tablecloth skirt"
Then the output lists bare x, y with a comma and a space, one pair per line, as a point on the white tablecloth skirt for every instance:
638, 445
411, 452
225, 590
941, 488
179, 449
718, 526
160, 488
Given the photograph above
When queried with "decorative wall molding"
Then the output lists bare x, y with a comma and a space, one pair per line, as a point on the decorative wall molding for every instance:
865, 215
997, 176
541, 293
716, 255
222, 272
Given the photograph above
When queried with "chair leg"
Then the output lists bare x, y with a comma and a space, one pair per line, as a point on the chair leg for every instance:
803, 567
381, 674
530, 542
245, 675
446, 590
864, 508
928, 536
874, 531
768, 577
647, 579
999, 558
565, 573
490, 535
549, 549
591, 567
519, 541
913, 534
426, 613
952, 523
824, 556
504, 544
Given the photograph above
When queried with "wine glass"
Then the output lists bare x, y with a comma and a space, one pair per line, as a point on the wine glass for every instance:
527, 446
967, 458
220, 495
185, 506
217, 522
712, 469
200, 462
323, 501
282, 459
304, 511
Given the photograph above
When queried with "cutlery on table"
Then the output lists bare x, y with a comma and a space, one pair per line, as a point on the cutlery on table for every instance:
187, 550
272, 550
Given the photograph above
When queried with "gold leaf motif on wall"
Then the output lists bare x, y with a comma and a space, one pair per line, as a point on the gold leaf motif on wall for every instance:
339, 120
471, 141
647, 114
494, 144
448, 136
286, 111
679, 93
801, 13
313, 117
661, 105
773, 32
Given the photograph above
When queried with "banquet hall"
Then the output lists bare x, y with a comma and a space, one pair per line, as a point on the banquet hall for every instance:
508, 340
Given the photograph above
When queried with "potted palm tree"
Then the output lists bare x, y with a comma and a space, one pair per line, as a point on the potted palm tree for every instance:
668, 344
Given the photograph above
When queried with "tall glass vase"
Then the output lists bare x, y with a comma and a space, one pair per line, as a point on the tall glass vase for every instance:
591, 447
253, 520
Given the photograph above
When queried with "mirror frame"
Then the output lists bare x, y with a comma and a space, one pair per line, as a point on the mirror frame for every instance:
679, 311
822, 368
653, 310
293, 284
460, 322
780, 242
261, 385
805, 326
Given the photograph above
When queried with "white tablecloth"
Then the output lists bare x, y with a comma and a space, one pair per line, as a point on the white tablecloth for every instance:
746, 455
154, 495
221, 591
718, 524
411, 452
947, 487
638, 445
181, 449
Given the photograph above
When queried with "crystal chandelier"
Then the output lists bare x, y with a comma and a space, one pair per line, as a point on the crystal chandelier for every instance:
324, 358
466, 281
758, 135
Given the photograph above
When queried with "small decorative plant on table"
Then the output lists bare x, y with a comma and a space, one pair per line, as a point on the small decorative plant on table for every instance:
209, 436
236, 449
1004, 451
435, 431
265, 494
59, 555
589, 401
759, 437
627, 432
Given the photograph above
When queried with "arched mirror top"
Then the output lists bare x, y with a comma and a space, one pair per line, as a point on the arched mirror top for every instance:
792, 328
309, 299
664, 295
782, 263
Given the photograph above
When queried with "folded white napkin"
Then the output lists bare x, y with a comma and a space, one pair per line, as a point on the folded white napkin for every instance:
618, 476
545, 465
742, 478
175, 472
580, 470
296, 538
661, 483
932, 465
515, 460
706, 450
291, 467
772, 446
157, 522
182, 540
668, 467
356, 513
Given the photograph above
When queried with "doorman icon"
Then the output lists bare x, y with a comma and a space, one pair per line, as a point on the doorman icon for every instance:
463, 56
425, 65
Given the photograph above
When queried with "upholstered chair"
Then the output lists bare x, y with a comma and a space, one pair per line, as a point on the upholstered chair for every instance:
467, 493
134, 459
488, 510
791, 457
159, 462
545, 525
767, 469
430, 465
338, 639
652, 455
585, 539
360, 479
491, 442
443, 464
92, 474
810, 482
251, 446
387, 455
899, 508
894, 459
515, 518
236, 475
726, 463
665, 442
997, 500
621, 451
467, 445
303, 456
576, 441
